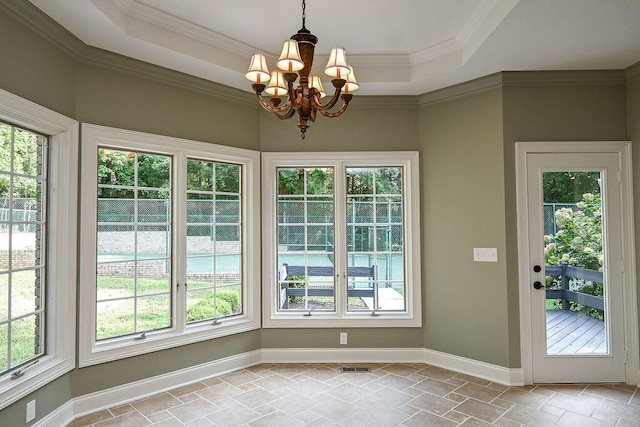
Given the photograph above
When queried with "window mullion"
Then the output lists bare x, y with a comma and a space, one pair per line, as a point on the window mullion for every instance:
179, 230
340, 240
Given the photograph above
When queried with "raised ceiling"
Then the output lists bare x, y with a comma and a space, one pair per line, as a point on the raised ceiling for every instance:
401, 47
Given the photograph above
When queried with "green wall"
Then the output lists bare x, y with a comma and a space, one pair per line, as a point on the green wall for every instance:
465, 305
633, 119
465, 136
370, 123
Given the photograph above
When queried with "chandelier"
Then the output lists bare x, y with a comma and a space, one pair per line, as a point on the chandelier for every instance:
296, 61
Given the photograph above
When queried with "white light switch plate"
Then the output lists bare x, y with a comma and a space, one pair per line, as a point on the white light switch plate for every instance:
485, 254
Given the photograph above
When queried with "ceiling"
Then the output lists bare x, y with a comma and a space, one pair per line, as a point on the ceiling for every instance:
400, 47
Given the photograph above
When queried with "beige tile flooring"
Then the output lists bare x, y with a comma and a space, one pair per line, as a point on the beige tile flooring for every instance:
408, 395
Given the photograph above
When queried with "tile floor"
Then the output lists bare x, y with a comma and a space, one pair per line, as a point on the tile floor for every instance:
390, 395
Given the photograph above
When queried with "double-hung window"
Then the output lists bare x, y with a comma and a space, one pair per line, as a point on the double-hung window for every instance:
341, 239
170, 254
38, 200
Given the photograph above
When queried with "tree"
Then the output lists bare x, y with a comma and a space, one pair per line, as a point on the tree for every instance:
568, 187
26, 148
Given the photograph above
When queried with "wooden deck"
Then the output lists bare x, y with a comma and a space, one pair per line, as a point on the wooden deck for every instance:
574, 333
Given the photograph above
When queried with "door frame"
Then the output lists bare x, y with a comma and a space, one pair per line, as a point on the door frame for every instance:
630, 306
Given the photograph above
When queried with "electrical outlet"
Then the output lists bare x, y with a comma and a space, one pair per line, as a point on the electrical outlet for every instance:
343, 338
31, 410
485, 254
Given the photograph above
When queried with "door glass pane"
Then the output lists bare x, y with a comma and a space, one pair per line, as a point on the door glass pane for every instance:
306, 278
375, 247
574, 264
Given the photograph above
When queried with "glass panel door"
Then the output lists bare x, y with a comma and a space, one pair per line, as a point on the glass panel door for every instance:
575, 273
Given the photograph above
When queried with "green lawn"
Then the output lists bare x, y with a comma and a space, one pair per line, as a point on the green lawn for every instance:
116, 304
23, 335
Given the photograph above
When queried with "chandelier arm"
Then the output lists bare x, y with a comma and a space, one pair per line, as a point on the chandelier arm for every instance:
338, 84
317, 105
346, 98
286, 115
271, 108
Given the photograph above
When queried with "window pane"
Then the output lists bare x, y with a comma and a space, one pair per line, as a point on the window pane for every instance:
305, 239
214, 250
375, 247
25, 341
134, 243
114, 318
227, 178
22, 236
199, 175
154, 171
116, 167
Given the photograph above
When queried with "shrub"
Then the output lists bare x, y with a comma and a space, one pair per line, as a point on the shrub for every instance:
578, 242
226, 303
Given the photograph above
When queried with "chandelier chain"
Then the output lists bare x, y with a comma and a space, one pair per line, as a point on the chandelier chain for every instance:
304, 13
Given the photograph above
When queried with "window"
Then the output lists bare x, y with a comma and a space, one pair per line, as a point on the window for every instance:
23, 201
38, 196
174, 255
341, 239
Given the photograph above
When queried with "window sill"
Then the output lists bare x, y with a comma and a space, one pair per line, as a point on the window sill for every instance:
331, 320
46, 370
121, 348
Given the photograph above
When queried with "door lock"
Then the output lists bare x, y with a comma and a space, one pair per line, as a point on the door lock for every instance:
538, 285
537, 268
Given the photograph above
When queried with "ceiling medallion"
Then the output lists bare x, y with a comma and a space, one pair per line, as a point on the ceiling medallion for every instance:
295, 62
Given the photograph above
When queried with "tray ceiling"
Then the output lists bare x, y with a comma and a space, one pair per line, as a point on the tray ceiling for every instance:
404, 47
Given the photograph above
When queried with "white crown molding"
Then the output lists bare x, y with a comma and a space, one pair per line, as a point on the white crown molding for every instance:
485, 19
632, 73
152, 25
492, 81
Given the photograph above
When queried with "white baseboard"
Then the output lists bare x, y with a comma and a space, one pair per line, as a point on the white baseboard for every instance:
498, 374
487, 371
136, 390
340, 355
62, 416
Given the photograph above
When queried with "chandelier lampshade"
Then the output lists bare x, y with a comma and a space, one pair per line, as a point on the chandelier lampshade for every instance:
290, 57
337, 65
277, 86
316, 83
258, 71
295, 61
351, 84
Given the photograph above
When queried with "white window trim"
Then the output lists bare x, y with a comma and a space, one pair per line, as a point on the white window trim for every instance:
92, 352
62, 222
409, 160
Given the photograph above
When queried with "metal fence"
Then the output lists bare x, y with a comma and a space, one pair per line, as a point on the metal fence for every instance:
549, 215
23, 216
115, 214
308, 225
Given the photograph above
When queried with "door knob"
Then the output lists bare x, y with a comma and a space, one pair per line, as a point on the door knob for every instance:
537, 268
538, 285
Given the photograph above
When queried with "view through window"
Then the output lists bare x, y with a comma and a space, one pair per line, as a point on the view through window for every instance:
23, 201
